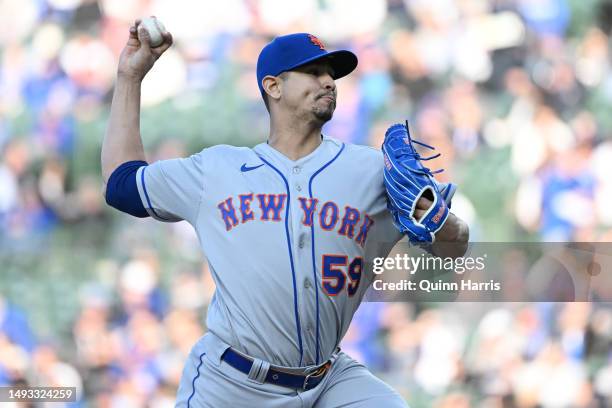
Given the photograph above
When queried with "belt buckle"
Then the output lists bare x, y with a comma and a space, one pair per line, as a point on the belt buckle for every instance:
319, 372
306, 380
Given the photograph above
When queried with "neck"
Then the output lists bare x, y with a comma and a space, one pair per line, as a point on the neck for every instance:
295, 140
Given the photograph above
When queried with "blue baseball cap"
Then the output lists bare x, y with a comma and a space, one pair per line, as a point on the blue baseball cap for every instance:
288, 52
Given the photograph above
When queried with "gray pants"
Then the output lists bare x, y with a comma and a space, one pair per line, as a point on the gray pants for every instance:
208, 381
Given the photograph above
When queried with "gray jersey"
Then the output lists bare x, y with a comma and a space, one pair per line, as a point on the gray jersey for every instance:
286, 240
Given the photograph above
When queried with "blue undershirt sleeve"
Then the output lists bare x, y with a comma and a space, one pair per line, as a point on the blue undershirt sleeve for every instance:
122, 190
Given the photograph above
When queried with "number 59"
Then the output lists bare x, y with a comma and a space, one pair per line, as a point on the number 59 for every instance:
334, 276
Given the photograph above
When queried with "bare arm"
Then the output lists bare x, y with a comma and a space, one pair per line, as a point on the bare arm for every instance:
122, 141
452, 238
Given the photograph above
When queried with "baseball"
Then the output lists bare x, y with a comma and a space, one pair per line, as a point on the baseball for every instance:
155, 29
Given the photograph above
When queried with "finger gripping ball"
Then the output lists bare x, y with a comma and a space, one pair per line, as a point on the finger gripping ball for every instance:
155, 28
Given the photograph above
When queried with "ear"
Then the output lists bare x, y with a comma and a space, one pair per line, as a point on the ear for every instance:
272, 86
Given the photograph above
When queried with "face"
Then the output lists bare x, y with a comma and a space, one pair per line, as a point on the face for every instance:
310, 91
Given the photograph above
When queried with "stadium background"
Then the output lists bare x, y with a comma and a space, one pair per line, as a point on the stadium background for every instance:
515, 93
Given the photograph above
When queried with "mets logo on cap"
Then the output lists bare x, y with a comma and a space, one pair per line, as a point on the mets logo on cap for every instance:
316, 41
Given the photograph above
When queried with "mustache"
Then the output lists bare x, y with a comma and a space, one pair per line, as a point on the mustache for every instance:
332, 95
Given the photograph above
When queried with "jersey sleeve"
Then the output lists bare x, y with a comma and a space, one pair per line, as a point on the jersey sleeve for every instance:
171, 190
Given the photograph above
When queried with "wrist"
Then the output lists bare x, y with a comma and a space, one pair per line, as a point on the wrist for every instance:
130, 77
457, 230
464, 231
452, 240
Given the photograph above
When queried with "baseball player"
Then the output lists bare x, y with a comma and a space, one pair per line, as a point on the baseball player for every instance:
286, 227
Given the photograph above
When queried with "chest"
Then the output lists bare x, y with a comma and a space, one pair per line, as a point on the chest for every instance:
337, 201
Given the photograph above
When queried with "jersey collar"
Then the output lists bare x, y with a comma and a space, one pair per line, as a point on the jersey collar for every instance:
328, 148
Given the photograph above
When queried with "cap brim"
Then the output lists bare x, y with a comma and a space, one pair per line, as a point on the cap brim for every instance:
343, 62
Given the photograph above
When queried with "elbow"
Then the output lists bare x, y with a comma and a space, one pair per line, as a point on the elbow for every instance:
108, 169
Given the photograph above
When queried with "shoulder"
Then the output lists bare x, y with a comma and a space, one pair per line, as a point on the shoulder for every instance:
367, 152
368, 156
224, 155
224, 150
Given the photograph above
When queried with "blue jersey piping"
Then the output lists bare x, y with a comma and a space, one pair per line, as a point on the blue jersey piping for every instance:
312, 235
295, 302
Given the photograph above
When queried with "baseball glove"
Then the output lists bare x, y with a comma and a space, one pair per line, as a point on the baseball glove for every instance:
407, 180
447, 190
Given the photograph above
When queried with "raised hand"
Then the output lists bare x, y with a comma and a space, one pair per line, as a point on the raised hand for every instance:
138, 57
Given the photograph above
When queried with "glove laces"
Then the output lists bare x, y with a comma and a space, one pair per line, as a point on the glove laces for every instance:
410, 151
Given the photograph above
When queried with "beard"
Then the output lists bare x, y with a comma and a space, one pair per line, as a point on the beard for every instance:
324, 112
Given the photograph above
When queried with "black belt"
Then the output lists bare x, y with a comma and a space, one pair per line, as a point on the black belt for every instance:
277, 377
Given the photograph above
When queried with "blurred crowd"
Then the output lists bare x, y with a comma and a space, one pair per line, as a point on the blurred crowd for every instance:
515, 94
